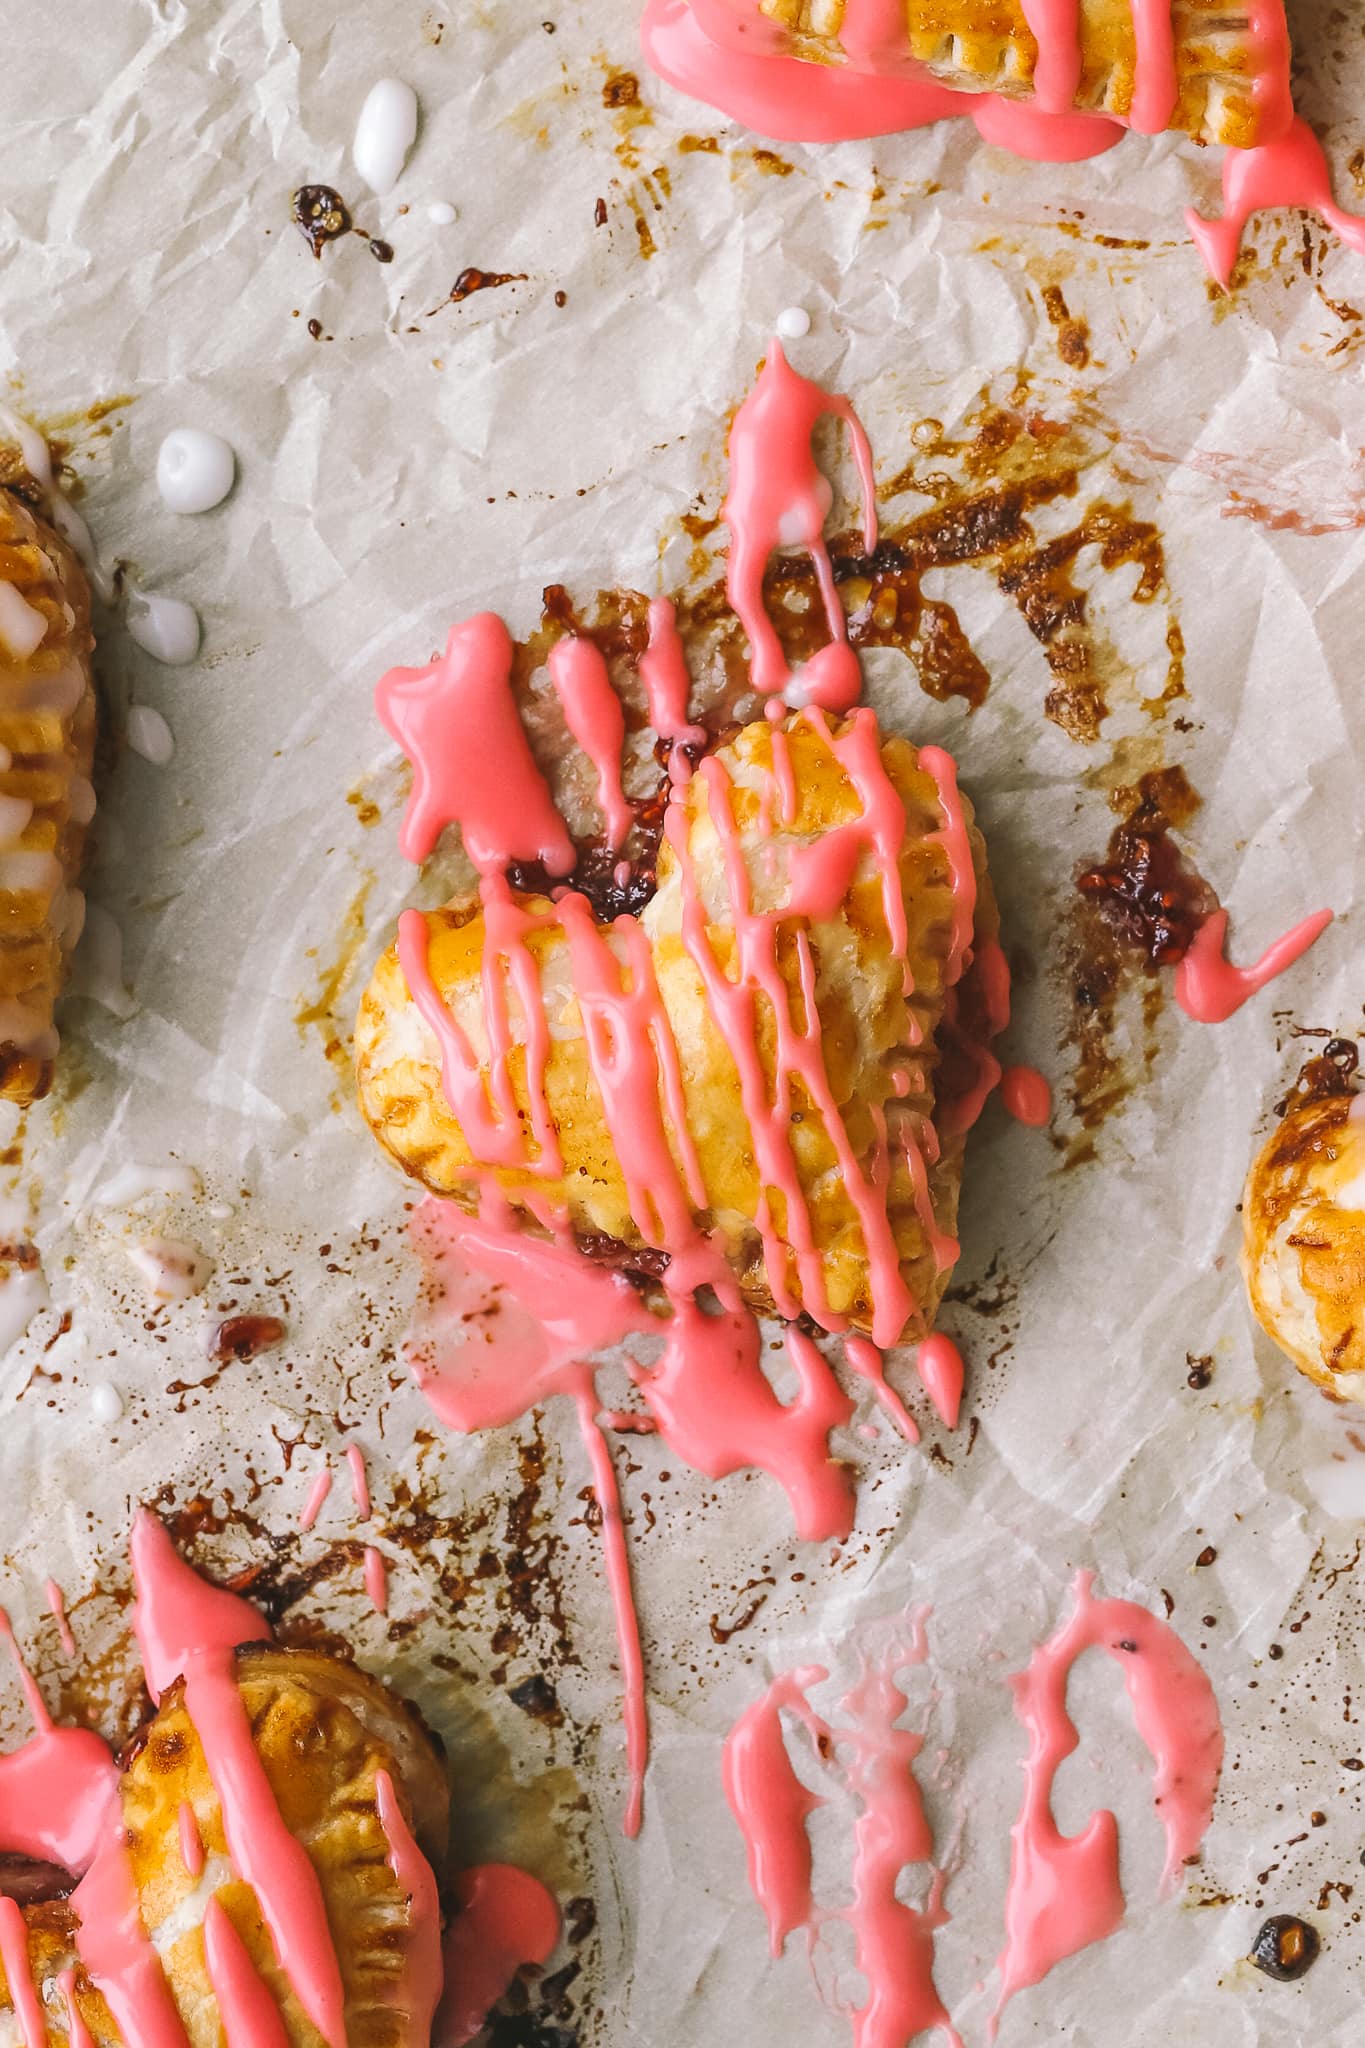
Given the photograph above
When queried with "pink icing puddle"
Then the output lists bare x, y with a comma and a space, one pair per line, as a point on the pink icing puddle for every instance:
34, 1821
593, 714
895, 1941
941, 1371
779, 498
1027, 1095
376, 1579
505, 1919
1064, 1890
56, 1607
727, 54
1210, 989
360, 1484
451, 719
317, 1495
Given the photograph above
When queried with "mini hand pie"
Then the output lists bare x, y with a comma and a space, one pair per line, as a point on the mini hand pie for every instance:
1303, 1241
47, 740
754, 1067
1221, 55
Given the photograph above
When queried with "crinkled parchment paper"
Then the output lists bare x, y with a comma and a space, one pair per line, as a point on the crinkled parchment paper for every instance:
424, 459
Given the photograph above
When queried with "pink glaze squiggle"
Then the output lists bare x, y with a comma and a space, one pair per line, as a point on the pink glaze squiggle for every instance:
1064, 1890
1210, 989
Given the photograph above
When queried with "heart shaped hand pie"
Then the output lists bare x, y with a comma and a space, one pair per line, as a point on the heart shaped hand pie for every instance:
760, 1076
351, 1769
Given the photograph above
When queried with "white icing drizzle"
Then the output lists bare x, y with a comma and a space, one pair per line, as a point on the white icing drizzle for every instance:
165, 627
384, 134
97, 967
149, 734
194, 470
134, 1181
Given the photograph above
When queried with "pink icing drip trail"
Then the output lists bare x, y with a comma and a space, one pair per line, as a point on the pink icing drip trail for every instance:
895, 1942
417, 1879
56, 1607
250, 2016
376, 1574
1210, 989
779, 498
360, 1485
1064, 1890
191, 1841
505, 1919
317, 1495
866, 1360
941, 1371
664, 674
28, 2006
593, 713
1027, 1095
727, 54
77, 2032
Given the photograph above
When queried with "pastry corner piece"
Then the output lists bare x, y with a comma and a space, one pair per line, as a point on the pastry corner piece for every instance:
1303, 1241
802, 1005
47, 742
1224, 56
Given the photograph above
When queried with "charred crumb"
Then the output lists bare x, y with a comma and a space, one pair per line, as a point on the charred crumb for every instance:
1146, 891
1284, 1947
381, 250
1200, 1371
321, 216
1330, 1073
245, 1337
537, 1697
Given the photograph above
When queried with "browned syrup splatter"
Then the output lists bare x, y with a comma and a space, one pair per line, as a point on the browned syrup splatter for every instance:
321, 216
1073, 335
471, 280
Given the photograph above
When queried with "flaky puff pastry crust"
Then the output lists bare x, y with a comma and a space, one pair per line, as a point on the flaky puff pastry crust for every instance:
324, 1731
1303, 1241
987, 46
874, 1036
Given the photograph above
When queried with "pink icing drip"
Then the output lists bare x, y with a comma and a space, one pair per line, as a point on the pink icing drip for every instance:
56, 1607
608, 1496
594, 716
56, 1789
415, 1877
119, 1959
957, 846
376, 1574
873, 34
1064, 1890
779, 498
508, 965
77, 2033
772, 1806
664, 673
822, 873
452, 718
249, 2015
1156, 87
1210, 989
317, 1494
1056, 27
191, 1841
1027, 1095
866, 1360
188, 1629
360, 1485
28, 2007
1290, 171
505, 1919
939, 1363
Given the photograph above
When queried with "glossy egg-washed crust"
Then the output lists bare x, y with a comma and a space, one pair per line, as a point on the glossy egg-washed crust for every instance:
987, 46
47, 729
323, 1732
865, 1022
1303, 1242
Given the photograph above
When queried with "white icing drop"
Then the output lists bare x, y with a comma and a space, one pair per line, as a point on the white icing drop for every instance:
441, 213
165, 627
97, 968
22, 625
106, 1402
23, 1290
173, 1270
384, 134
149, 735
134, 1181
194, 470
793, 323
221, 1211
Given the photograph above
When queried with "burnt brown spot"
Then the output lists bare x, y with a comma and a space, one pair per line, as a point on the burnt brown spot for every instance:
1073, 335
321, 216
471, 280
1145, 889
244, 1337
537, 1697
622, 89
1284, 1947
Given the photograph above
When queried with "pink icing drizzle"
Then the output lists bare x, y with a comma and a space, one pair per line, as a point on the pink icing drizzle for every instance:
594, 716
452, 718
77, 2032
250, 2016
1210, 989
664, 674
772, 1806
505, 1919
317, 1494
866, 1360
939, 1364
779, 498
119, 1959
1064, 1890
191, 1841
376, 1574
56, 1607
1027, 1095
418, 1881
28, 2007
608, 1495
360, 1485
188, 1629
726, 53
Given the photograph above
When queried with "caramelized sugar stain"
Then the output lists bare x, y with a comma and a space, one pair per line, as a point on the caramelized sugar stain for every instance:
321, 215
325, 1012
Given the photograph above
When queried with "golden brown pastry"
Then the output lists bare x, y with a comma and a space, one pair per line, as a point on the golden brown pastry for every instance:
987, 45
876, 1032
324, 1732
47, 739
1303, 1241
